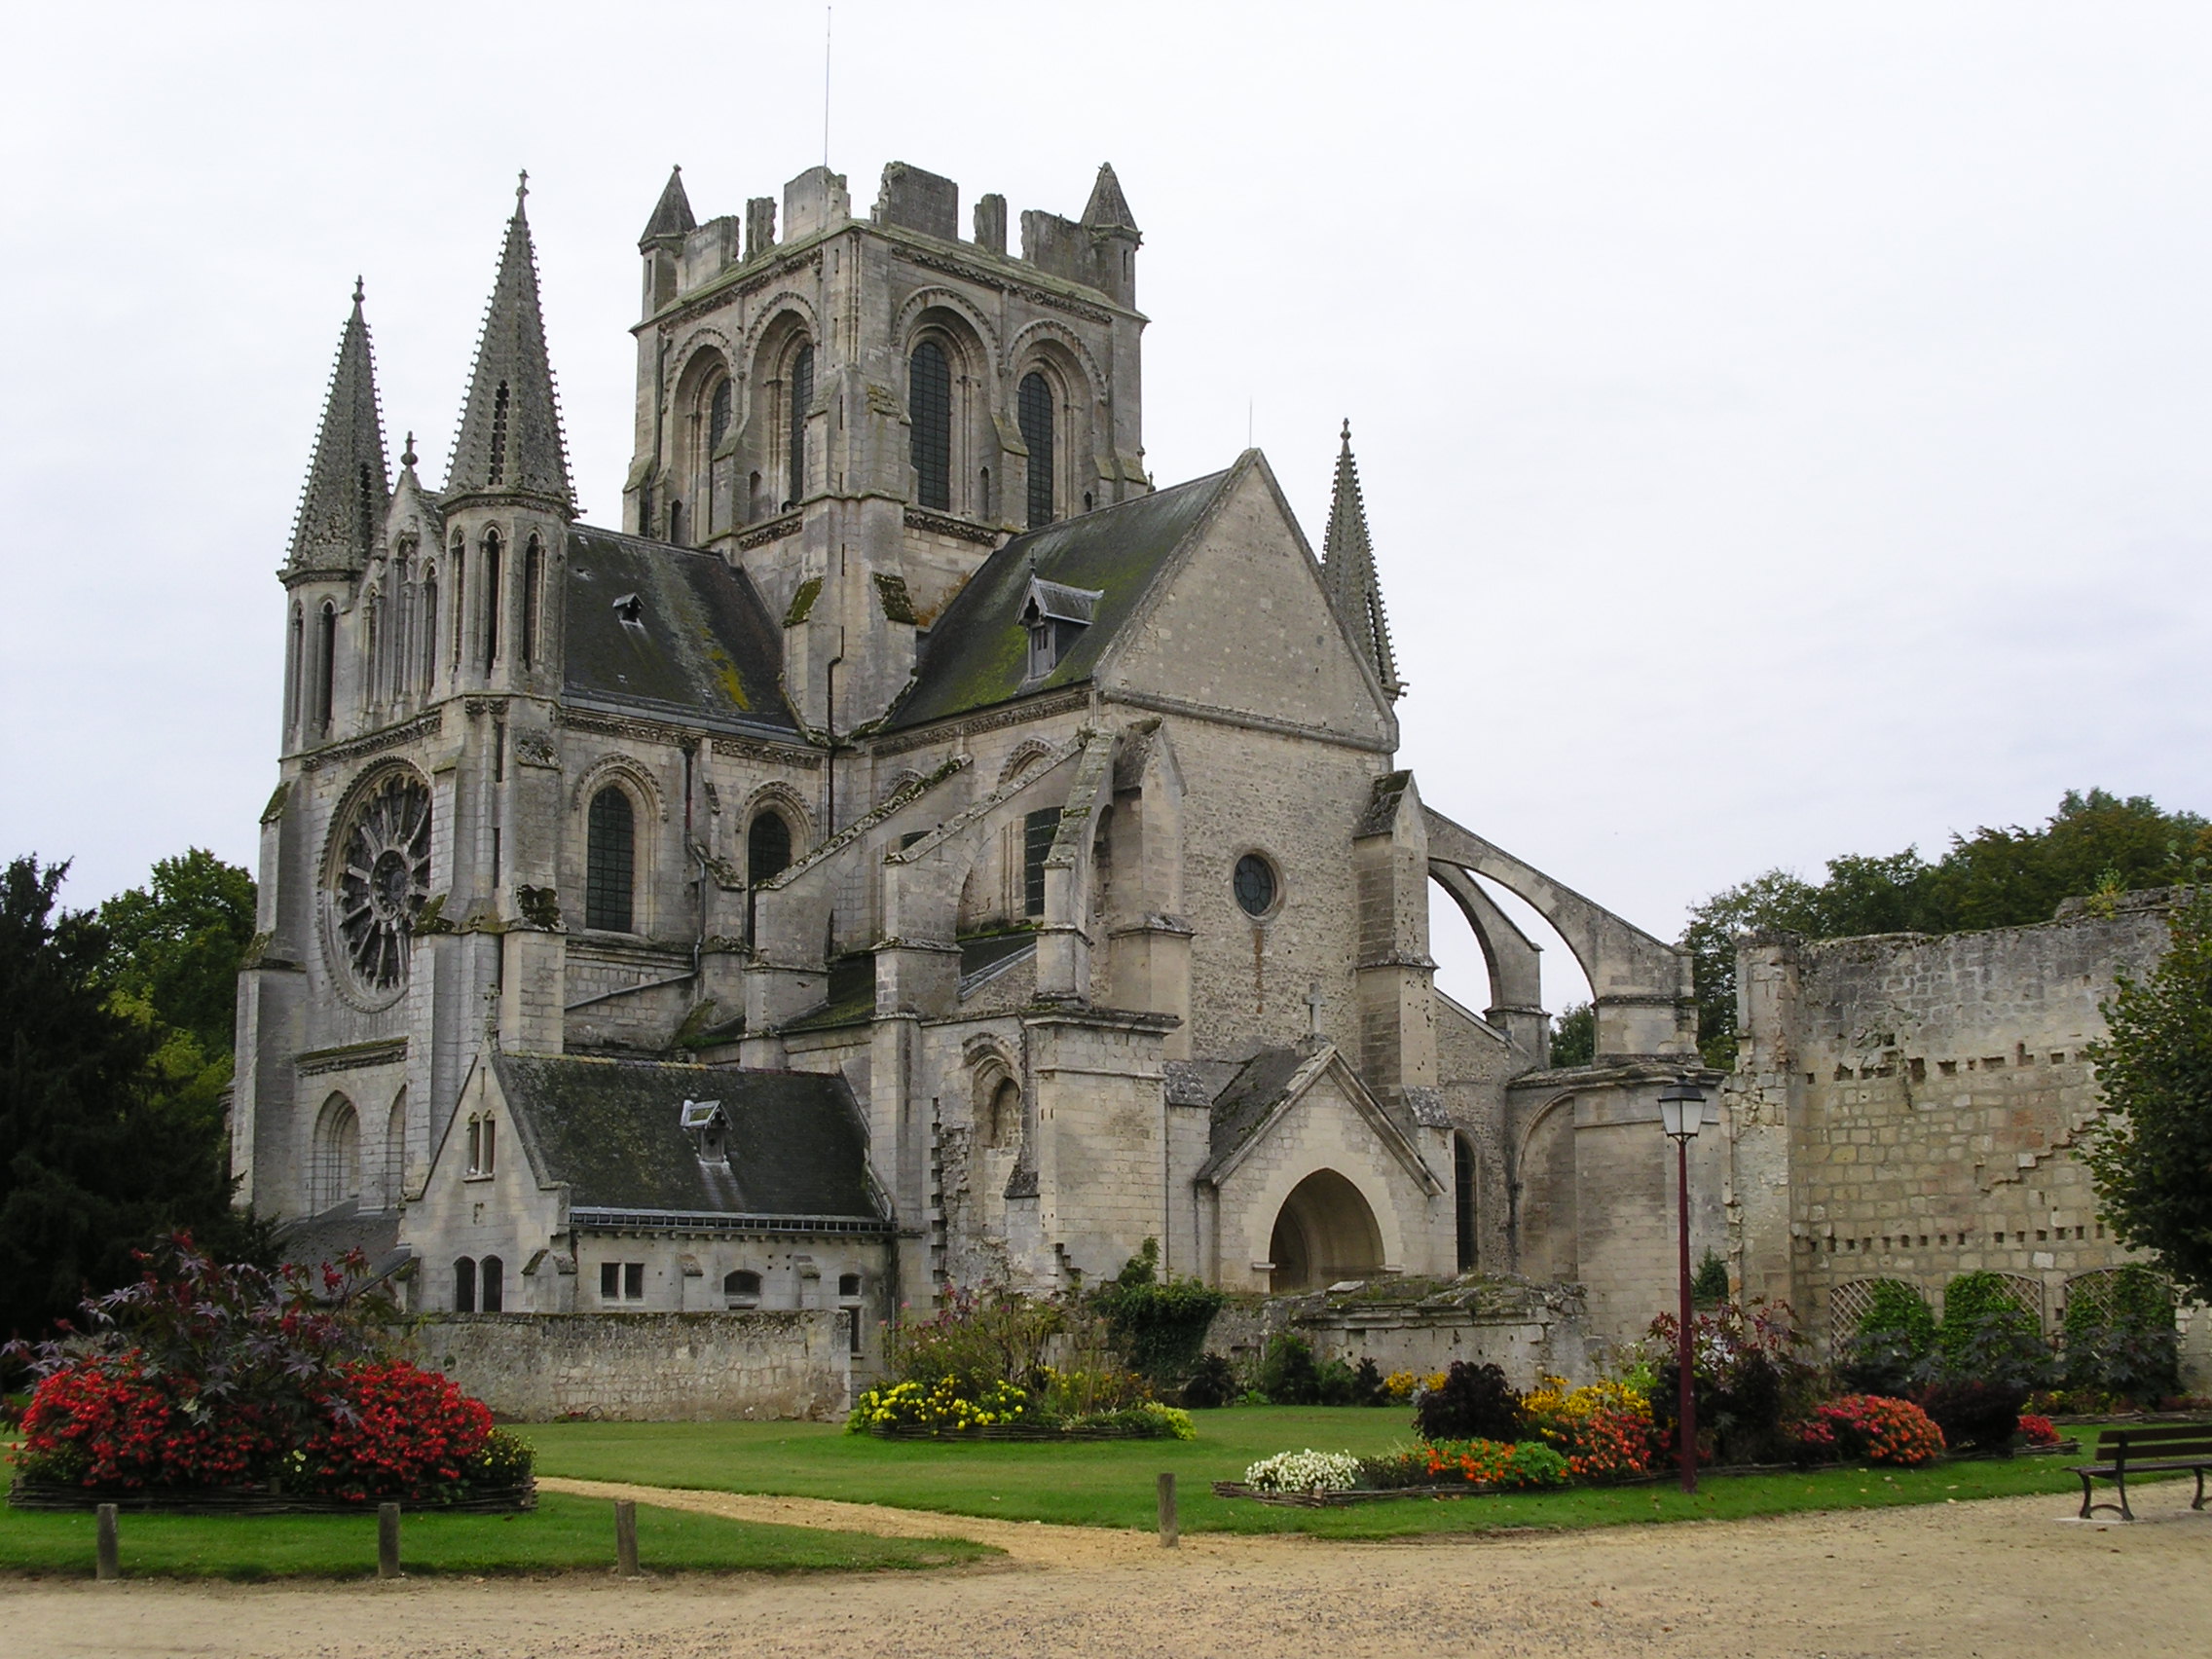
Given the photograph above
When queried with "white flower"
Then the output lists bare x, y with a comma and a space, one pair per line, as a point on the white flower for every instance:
1304, 1471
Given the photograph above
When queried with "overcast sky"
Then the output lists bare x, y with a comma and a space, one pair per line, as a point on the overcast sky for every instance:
1785, 429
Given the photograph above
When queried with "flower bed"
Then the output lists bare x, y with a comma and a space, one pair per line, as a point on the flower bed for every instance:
224, 1389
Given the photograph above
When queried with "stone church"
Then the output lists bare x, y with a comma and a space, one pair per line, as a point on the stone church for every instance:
912, 850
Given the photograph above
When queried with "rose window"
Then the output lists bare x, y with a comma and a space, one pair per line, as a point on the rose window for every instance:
384, 876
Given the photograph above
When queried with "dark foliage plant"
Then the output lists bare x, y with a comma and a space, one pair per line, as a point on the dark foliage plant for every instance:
1749, 1379
2123, 1342
1288, 1373
1986, 1336
1368, 1386
1474, 1403
1975, 1415
1212, 1382
1891, 1349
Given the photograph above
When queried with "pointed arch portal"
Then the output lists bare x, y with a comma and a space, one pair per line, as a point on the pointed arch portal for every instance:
1324, 1231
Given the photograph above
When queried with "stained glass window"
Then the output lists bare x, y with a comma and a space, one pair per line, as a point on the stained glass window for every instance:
929, 401
801, 395
1255, 884
1034, 413
610, 862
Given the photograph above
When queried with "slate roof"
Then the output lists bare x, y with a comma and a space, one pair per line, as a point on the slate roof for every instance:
612, 1130
702, 647
977, 652
1261, 1084
316, 1239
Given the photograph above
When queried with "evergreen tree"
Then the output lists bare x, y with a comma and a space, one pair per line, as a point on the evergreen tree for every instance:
97, 1157
2151, 1156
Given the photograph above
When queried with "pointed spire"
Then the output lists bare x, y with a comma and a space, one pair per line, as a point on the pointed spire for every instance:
343, 506
672, 214
510, 421
1108, 208
1348, 573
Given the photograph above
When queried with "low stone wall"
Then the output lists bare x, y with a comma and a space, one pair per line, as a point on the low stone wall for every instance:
1528, 1330
645, 1367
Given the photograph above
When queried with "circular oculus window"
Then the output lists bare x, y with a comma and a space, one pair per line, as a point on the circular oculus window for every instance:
1255, 884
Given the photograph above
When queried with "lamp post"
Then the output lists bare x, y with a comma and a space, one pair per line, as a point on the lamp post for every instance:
1681, 1114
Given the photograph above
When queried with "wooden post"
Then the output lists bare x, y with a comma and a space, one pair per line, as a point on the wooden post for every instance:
388, 1540
1171, 1529
626, 1537
109, 1564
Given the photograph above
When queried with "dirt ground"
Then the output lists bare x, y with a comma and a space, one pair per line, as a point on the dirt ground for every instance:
2005, 1579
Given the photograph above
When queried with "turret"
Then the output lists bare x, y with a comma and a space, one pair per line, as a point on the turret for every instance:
342, 512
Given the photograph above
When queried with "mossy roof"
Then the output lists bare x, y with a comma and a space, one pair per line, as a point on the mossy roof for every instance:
612, 1130
698, 645
977, 652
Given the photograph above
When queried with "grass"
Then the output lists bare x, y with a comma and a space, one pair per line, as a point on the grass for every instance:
562, 1534
1111, 1482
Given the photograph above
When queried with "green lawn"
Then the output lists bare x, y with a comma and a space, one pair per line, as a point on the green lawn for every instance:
562, 1534
1111, 1482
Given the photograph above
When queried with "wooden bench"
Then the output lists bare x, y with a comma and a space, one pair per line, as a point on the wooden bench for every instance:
2173, 1447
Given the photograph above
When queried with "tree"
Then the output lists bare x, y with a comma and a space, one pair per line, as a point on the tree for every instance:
2151, 1153
97, 1155
172, 965
1575, 1035
2095, 843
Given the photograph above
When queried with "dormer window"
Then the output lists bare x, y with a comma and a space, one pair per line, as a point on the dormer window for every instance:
1055, 616
707, 1126
631, 609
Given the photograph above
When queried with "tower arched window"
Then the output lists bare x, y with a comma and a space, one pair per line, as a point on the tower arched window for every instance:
533, 597
721, 405
372, 616
928, 403
799, 395
675, 525
295, 649
460, 563
429, 666
464, 1285
491, 599
492, 1286
325, 666
1034, 412
609, 861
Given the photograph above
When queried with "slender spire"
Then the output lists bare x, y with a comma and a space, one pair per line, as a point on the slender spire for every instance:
1348, 572
510, 421
1108, 208
343, 506
672, 213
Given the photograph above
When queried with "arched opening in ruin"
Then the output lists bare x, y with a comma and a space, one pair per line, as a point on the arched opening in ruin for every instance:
1325, 1231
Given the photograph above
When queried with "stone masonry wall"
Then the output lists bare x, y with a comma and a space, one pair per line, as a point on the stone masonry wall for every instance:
1909, 1107
645, 1367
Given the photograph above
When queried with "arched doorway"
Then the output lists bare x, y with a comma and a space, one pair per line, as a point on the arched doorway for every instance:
1325, 1231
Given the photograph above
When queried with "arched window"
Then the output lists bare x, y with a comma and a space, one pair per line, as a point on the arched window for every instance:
767, 847
325, 666
1034, 410
798, 397
491, 1284
675, 524
719, 408
533, 590
609, 861
294, 648
929, 401
1003, 1129
491, 599
459, 562
394, 1151
430, 629
371, 608
464, 1285
1463, 1198
740, 1289
335, 1174
483, 1145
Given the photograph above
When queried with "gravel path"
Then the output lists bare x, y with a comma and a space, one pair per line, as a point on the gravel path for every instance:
2004, 1578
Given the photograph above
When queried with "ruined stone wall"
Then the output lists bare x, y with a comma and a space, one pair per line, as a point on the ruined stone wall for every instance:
645, 1367
1528, 1331
1910, 1107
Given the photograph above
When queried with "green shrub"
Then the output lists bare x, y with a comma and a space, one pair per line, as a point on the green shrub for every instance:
977, 1338
1288, 1376
2124, 1343
1987, 1337
1160, 1326
1368, 1386
1709, 1285
1893, 1346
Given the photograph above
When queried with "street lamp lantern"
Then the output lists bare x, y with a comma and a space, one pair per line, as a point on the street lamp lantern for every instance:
1681, 1114
1681, 1109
